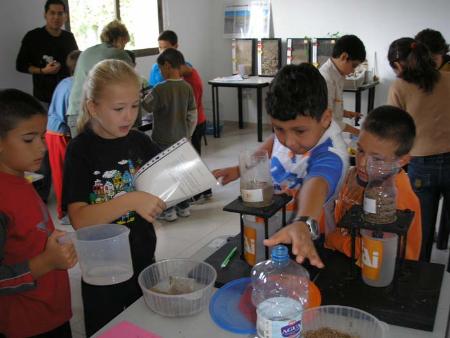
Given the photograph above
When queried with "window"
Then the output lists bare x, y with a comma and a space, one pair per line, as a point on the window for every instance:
143, 19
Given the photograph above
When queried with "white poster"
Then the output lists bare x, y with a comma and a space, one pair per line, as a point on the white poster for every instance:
247, 19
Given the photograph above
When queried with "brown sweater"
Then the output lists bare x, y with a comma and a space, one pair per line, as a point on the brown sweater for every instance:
430, 111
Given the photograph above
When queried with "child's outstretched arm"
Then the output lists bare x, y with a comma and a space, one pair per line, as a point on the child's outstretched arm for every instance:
231, 174
312, 197
147, 205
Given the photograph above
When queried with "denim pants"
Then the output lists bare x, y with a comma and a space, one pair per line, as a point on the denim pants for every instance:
430, 179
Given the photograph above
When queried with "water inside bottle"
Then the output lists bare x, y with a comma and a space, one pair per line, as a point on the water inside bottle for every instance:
279, 317
257, 194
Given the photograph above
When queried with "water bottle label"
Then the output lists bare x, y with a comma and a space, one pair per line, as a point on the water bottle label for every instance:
279, 329
252, 195
370, 205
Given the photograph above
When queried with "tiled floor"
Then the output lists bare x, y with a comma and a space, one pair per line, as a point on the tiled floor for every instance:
187, 236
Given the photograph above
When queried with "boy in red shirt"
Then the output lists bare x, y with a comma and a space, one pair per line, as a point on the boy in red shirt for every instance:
191, 76
34, 284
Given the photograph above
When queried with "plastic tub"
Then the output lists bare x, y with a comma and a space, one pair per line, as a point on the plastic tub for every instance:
196, 280
344, 319
104, 254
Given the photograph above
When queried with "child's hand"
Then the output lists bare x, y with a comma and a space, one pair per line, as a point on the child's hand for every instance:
227, 174
147, 205
299, 236
59, 256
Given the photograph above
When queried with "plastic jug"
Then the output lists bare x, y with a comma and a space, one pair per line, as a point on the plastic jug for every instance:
379, 253
104, 254
256, 181
280, 293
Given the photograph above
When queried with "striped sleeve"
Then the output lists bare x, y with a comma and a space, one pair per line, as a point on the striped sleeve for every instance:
328, 165
13, 278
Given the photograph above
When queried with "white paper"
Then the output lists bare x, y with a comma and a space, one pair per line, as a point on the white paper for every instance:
370, 205
247, 18
175, 175
231, 78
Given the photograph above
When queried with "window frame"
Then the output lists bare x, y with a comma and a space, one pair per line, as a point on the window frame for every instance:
137, 52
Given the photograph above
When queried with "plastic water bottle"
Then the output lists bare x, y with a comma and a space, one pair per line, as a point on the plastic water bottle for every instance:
280, 293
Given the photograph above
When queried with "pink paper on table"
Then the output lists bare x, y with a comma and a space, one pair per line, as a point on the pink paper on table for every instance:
128, 330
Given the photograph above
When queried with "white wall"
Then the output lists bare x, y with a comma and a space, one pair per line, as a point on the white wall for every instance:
377, 23
16, 18
199, 24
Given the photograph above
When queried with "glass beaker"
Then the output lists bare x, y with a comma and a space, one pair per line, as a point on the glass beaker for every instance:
256, 181
380, 195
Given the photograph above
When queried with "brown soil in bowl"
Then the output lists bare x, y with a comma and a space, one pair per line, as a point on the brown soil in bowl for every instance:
326, 332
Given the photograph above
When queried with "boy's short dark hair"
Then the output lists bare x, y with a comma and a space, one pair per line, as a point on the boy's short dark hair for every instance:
15, 106
392, 123
297, 90
433, 40
169, 36
351, 45
172, 56
54, 2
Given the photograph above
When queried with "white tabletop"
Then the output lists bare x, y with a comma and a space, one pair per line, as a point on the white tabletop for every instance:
201, 325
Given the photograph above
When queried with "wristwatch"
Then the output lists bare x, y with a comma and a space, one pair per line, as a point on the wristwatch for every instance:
312, 225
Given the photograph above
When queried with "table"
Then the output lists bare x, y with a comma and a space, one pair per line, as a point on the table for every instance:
371, 97
201, 325
252, 82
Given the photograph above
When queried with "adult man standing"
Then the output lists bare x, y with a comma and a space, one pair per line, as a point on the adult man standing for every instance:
43, 54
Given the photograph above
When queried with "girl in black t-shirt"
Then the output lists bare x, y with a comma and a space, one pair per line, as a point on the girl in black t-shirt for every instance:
99, 167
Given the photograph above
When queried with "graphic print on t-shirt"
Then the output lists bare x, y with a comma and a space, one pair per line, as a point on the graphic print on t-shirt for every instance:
114, 183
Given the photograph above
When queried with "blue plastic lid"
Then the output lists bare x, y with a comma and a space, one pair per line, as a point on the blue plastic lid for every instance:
280, 254
225, 310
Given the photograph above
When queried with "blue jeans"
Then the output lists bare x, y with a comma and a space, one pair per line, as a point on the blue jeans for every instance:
430, 179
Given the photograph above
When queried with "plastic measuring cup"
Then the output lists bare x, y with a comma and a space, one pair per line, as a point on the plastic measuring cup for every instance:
104, 254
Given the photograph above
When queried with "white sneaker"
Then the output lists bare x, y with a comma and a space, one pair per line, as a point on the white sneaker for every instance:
183, 212
169, 215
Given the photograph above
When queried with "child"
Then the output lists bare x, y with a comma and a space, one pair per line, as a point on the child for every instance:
437, 46
387, 134
348, 53
308, 153
34, 285
98, 171
58, 132
174, 113
191, 76
167, 39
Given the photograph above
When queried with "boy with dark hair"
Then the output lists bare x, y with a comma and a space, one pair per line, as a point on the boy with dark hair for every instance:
437, 46
174, 113
167, 39
387, 134
348, 53
34, 285
308, 155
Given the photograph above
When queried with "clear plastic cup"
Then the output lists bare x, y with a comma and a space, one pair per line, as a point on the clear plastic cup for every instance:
104, 254
378, 257
343, 319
